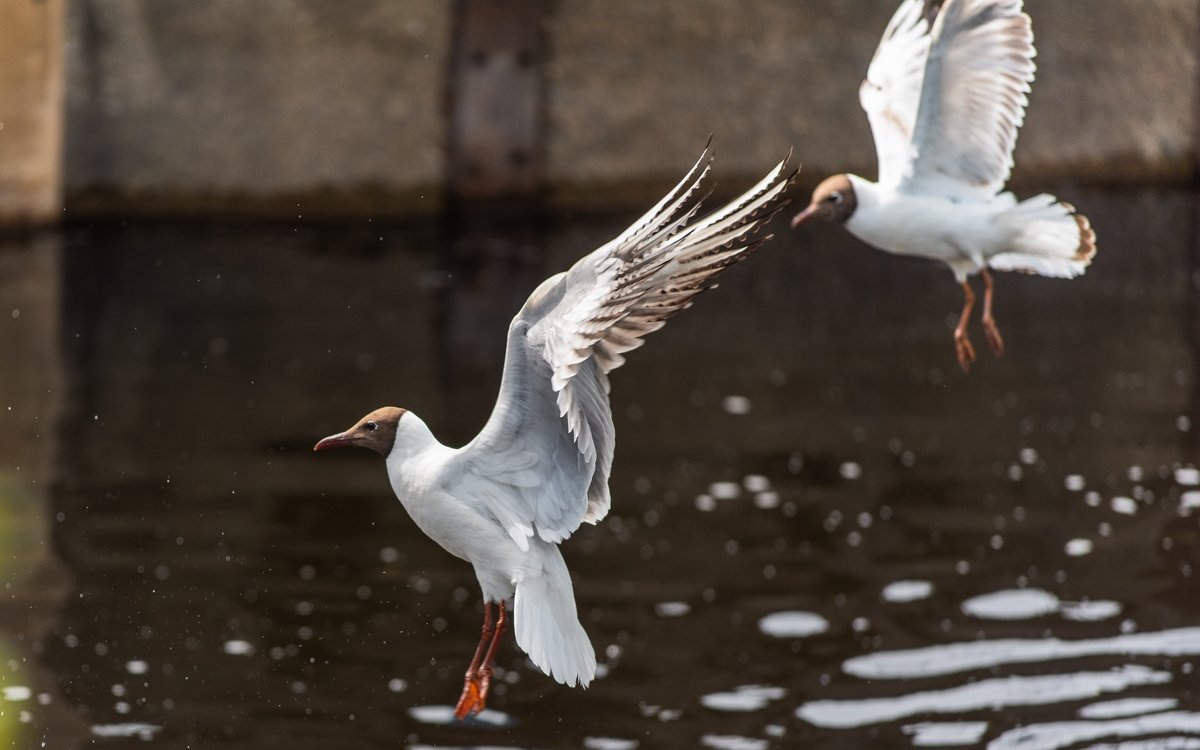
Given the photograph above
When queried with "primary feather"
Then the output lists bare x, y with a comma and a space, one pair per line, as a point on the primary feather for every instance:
945, 102
549, 442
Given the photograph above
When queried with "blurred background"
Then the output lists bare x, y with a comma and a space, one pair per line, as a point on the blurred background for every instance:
229, 228
128, 107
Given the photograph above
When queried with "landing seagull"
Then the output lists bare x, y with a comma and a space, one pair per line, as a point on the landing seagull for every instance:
945, 103
539, 468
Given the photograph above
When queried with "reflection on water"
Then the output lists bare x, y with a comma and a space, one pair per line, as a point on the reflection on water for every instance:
945, 733
997, 693
963, 657
1127, 707
1052, 735
823, 535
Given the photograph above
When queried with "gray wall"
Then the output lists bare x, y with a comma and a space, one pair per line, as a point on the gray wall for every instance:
178, 105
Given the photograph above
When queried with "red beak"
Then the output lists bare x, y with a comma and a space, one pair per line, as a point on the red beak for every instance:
804, 216
333, 441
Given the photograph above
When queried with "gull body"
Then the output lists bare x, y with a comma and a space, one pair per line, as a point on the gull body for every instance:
539, 468
945, 95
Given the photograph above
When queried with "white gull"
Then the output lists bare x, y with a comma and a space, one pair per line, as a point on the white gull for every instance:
540, 466
945, 103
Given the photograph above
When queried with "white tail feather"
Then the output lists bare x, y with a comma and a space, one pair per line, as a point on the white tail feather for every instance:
1048, 238
547, 626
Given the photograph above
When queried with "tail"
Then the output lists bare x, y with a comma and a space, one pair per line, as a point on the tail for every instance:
1049, 239
547, 626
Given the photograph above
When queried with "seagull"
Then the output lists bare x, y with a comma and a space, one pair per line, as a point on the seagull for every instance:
540, 466
945, 102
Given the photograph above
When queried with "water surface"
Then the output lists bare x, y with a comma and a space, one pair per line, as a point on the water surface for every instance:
823, 534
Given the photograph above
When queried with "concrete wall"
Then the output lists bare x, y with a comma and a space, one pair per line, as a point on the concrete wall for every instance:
177, 105
31, 77
637, 87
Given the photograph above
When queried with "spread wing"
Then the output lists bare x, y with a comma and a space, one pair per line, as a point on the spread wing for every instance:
973, 99
547, 449
892, 90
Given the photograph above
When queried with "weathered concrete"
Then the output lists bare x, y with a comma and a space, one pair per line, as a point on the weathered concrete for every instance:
262, 104
637, 87
257, 106
31, 87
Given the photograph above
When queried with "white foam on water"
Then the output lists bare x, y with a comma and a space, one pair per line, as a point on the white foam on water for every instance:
1187, 475
743, 698
1126, 506
850, 470
422, 746
1011, 604
793, 624
732, 742
672, 609
609, 743
1079, 547
994, 694
1158, 743
945, 733
899, 592
129, 729
767, 500
445, 715
1123, 707
1062, 734
1091, 611
932, 661
756, 483
725, 490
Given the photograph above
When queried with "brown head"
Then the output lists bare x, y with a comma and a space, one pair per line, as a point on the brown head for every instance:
376, 431
833, 200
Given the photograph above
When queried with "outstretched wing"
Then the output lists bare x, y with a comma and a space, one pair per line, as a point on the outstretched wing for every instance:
973, 100
547, 448
892, 90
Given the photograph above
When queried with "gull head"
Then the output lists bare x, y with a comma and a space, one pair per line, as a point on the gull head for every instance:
833, 200
376, 431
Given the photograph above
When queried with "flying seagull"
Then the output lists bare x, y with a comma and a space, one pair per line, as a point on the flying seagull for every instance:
945, 103
540, 466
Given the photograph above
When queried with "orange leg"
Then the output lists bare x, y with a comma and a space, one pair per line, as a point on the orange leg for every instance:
989, 323
479, 674
486, 670
966, 352
471, 700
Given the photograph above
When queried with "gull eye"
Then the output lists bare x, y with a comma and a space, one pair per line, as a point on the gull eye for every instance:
835, 196
371, 426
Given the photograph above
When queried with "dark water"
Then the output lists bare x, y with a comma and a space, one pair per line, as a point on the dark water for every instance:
823, 534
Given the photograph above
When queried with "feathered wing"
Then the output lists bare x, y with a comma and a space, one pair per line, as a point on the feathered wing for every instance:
548, 445
892, 90
978, 73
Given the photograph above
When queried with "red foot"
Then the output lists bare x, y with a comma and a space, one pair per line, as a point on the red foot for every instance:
966, 352
472, 699
993, 337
